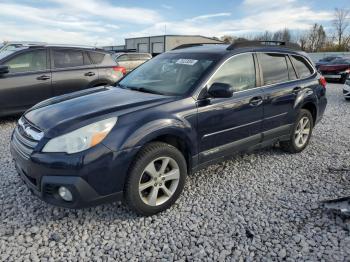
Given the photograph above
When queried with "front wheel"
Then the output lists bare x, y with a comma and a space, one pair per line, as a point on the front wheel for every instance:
301, 133
156, 179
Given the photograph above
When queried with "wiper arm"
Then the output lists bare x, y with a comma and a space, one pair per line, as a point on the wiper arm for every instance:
145, 90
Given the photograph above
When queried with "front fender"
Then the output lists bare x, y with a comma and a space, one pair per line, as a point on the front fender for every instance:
161, 127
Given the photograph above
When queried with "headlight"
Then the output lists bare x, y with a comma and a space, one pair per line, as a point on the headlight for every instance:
82, 138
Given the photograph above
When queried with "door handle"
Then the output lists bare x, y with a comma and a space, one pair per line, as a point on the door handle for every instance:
89, 74
43, 77
256, 101
296, 90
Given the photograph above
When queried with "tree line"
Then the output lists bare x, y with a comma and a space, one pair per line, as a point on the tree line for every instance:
313, 40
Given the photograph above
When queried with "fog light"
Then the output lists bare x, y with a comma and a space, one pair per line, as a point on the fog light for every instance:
65, 194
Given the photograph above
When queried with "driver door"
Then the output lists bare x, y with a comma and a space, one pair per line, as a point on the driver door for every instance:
226, 125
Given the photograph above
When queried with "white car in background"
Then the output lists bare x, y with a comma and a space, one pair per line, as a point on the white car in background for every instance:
346, 90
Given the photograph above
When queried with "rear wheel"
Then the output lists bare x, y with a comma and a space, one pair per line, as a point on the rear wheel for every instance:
156, 179
301, 133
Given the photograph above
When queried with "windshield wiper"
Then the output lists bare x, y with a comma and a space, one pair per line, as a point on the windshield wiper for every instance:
144, 90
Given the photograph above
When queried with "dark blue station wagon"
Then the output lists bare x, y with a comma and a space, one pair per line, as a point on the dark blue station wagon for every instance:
178, 112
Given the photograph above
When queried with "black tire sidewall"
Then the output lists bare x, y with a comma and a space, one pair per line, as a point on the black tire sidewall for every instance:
149, 153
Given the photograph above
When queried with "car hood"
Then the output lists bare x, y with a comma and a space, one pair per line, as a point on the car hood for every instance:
71, 111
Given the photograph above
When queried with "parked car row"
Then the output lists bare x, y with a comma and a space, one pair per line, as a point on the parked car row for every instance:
334, 68
32, 72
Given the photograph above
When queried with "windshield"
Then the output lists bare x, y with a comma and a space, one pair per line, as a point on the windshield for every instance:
168, 74
3, 54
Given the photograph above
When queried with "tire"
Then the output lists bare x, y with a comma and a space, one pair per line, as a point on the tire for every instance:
347, 98
294, 145
144, 182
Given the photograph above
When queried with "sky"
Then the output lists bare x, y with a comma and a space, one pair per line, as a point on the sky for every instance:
109, 22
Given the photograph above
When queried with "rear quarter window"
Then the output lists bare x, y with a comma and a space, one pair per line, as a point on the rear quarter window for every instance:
96, 57
302, 66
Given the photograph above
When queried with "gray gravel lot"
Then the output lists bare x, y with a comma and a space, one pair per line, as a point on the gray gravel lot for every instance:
259, 206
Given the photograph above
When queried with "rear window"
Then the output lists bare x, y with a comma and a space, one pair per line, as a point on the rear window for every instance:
274, 68
303, 68
96, 57
69, 58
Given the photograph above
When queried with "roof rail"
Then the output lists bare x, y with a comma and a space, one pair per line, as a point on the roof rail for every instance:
281, 44
194, 44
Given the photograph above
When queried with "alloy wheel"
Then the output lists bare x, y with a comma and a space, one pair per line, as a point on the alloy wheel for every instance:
302, 132
159, 181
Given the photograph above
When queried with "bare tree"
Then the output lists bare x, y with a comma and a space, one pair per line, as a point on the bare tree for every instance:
227, 39
316, 38
282, 35
341, 23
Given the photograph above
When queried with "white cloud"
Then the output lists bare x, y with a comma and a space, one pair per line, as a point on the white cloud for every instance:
209, 16
257, 15
103, 9
91, 21
169, 7
69, 21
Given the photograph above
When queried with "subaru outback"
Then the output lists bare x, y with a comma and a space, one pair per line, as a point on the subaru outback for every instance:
138, 140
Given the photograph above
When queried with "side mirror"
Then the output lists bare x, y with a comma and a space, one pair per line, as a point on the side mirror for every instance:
4, 69
220, 90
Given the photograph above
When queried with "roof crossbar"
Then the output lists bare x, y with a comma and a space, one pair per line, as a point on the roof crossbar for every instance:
280, 44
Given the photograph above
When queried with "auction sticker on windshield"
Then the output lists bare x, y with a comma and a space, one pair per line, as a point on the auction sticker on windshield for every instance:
186, 62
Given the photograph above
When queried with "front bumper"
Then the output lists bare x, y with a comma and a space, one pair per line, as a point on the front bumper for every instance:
94, 176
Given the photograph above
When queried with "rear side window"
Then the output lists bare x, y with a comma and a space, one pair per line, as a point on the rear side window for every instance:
68, 58
96, 57
274, 68
28, 62
302, 67
239, 72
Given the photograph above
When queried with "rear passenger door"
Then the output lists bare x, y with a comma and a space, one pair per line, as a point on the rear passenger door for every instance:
72, 70
281, 88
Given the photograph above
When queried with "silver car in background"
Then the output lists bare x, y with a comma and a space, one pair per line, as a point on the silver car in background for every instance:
131, 60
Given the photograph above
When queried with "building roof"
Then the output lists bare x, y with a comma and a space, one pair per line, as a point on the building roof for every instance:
206, 37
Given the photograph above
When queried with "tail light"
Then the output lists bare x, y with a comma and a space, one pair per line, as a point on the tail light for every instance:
323, 81
120, 69
347, 71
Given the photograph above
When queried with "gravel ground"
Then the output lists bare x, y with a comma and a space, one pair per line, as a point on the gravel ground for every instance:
260, 206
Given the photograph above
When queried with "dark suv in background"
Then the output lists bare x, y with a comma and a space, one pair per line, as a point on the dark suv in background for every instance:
31, 74
176, 113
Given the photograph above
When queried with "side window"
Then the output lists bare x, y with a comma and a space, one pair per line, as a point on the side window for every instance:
239, 72
96, 57
302, 67
68, 58
291, 71
28, 62
274, 68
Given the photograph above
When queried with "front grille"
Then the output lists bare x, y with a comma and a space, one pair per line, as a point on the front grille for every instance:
25, 138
